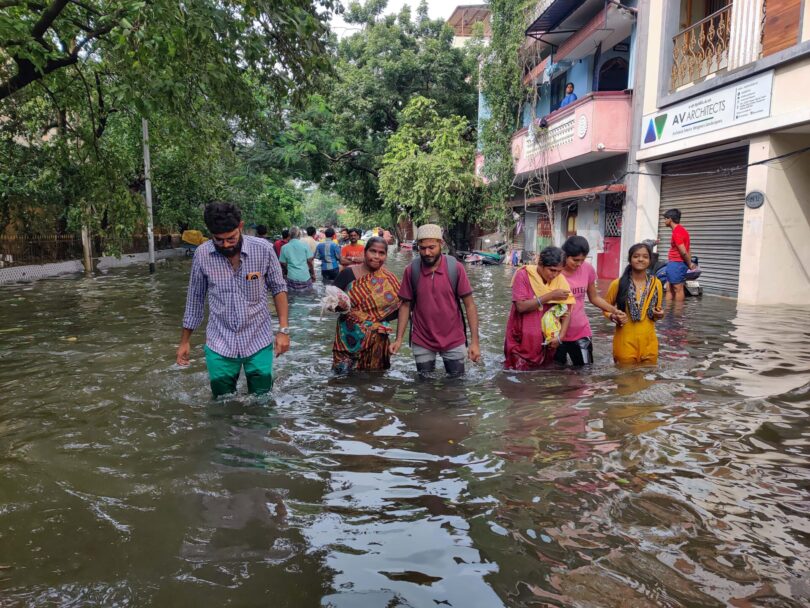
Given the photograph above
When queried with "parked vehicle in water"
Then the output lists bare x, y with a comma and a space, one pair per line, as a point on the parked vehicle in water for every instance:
495, 256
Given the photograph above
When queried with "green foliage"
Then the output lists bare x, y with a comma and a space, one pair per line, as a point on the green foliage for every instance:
503, 92
321, 208
186, 176
428, 165
339, 139
162, 53
77, 76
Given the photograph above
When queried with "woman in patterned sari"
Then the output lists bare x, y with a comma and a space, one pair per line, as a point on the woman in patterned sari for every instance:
361, 340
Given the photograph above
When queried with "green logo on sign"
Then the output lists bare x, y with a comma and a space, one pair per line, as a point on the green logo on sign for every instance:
660, 121
655, 129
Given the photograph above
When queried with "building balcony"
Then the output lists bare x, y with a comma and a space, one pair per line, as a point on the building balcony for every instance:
595, 126
737, 34
701, 49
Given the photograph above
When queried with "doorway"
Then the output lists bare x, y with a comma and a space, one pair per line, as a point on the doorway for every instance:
613, 74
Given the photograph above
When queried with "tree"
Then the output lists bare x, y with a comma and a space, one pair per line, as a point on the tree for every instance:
428, 167
340, 138
503, 91
77, 76
321, 208
164, 48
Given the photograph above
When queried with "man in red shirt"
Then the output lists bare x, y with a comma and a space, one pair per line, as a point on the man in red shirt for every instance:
285, 238
432, 300
679, 260
353, 252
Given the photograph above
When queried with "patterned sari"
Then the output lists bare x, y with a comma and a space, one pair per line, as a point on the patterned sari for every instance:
361, 339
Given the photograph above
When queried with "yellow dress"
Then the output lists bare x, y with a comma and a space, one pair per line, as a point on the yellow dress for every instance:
635, 341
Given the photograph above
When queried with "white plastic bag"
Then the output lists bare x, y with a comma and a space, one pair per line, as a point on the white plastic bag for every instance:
335, 297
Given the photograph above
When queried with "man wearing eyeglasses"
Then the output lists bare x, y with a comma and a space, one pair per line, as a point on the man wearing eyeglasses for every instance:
235, 272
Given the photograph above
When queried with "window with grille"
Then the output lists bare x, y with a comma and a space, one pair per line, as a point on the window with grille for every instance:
613, 214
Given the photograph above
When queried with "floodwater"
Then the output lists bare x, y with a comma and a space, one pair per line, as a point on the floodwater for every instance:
123, 484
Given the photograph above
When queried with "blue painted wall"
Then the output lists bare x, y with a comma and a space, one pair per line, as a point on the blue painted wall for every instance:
580, 73
483, 114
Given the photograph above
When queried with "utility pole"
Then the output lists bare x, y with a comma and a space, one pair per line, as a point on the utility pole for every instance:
87, 251
147, 171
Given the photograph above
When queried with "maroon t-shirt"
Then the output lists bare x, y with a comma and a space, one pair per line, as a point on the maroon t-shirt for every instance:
436, 319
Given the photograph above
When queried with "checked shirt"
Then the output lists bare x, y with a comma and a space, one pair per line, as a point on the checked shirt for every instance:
239, 322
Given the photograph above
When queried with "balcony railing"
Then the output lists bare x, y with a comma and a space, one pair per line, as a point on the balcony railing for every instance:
702, 48
595, 126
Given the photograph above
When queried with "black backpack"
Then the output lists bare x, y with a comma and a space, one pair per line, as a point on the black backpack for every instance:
452, 276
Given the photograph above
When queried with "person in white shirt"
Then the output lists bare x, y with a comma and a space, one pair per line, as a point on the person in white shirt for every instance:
310, 240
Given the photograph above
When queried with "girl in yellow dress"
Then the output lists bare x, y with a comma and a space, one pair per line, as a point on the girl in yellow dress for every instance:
639, 296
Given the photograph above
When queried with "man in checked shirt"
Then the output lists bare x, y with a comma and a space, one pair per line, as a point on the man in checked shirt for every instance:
235, 271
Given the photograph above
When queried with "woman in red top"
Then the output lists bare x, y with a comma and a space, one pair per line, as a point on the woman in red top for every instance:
534, 291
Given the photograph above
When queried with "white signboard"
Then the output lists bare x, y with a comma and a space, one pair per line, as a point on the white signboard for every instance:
735, 104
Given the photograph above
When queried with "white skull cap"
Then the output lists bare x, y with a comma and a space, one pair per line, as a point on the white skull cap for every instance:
429, 231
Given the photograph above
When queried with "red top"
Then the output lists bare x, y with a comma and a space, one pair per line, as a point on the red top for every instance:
352, 251
679, 237
523, 343
278, 245
436, 319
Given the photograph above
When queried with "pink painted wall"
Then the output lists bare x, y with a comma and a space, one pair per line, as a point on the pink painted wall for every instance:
607, 116
479, 166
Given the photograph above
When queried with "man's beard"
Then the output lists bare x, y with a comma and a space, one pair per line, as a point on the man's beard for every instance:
430, 260
229, 252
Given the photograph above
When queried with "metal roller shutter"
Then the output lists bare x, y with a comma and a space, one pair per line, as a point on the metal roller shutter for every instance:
712, 208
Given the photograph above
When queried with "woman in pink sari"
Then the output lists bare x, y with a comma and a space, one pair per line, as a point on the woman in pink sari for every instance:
536, 289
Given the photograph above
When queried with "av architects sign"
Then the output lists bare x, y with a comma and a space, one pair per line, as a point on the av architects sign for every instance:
739, 103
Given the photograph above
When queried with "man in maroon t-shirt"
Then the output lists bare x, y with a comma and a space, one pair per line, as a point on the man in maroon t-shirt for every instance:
285, 238
437, 326
679, 260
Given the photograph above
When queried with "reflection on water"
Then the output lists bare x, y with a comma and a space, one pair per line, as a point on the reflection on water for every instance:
123, 484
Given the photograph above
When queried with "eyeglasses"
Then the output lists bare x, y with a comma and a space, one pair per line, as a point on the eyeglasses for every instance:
228, 240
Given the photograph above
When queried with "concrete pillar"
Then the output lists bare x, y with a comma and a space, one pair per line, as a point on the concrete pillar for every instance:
632, 181
642, 210
759, 148
775, 251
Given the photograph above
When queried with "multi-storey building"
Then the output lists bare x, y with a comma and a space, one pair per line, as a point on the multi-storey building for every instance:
721, 131
464, 20
571, 154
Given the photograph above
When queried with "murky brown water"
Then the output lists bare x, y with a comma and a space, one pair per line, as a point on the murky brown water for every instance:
122, 484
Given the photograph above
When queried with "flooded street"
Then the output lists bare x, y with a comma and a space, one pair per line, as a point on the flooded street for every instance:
123, 484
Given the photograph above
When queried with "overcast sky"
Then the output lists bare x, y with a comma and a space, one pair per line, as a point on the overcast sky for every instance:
438, 9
